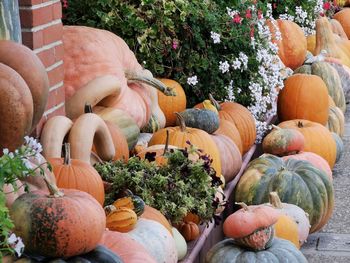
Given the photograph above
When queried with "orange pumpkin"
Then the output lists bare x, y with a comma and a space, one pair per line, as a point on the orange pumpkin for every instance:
318, 138
303, 97
171, 104
121, 219
293, 45
230, 130
77, 174
180, 135
190, 231
286, 228
343, 18
311, 43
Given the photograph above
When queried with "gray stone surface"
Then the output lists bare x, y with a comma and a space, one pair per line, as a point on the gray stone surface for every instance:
332, 243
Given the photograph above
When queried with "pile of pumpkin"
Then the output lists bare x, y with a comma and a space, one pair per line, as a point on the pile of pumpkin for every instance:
290, 186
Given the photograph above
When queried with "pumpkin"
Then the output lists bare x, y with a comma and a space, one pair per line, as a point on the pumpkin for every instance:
318, 139
180, 243
77, 174
124, 122
339, 145
240, 116
296, 182
171, 104
293, 45
338, 29
330, 77
303, 97
155, 215
344, 74
325, 41
191, 217
156, 152
190, 231
286, 228
105, 53
230, 130
311, 43
88, 128
282, 142
343, 17
251, 226
203, 119
229, 250
27, 64
292, 211
10, 27
336, 121
231, 158
314, 159
180, 135
16, 109
133, 202
127, 248
64, 223
156, 239
122, 219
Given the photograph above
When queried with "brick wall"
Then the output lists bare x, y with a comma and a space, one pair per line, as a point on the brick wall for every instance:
42, 32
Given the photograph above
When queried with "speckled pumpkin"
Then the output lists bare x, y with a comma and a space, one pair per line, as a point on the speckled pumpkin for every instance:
296, 182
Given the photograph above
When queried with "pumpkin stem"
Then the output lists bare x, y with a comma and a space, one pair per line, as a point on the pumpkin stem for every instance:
243, 205
300, 124
53, 189
67, 159
88, 108
147, 78
166, 147
276, 127
181, 120
214, 102
275, 201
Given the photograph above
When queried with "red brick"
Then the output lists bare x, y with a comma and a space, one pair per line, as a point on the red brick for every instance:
36, 17
56, 97
57, 10
59, 111
53, 33
47, 57
33, 40
29, 2
59, 52
56, 75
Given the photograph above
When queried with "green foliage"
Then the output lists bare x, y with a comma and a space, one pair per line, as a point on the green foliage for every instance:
175, 189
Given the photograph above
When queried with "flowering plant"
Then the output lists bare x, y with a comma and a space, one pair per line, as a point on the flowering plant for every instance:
15, 166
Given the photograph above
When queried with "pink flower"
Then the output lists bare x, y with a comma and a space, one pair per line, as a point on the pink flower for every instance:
259, 14
248, 14
252, 31
175, 44
237, 19
327, 6
65, 3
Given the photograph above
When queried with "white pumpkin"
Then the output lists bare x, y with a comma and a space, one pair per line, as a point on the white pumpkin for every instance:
181, 244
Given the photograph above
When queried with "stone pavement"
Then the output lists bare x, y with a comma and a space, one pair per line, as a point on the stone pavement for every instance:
332, 243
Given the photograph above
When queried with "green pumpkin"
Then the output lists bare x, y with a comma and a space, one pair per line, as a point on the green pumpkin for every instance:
139, 205
330, 77
296, 182
203, 119
336, 121
339, 144
10, 27
228, 251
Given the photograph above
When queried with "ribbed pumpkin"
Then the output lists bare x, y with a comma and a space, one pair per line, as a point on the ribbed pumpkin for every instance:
293, 45
159, 243
330, 77
339, 145
127, 248
343, 17
286, 228
336, 121
344, 74
296, 182
133, 202
203, 119
63, 224
230, 130
190, 231
325, 41
154, 214
171, 104
240, 116
231, 159
122, 219
303, 97
16, 109
179, 135
229, 251
296, 213
318, 138
251, 226
282, 142
314, 159
77, 174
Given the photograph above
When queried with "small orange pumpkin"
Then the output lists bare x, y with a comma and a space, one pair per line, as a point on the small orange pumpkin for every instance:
121, 219
190, 231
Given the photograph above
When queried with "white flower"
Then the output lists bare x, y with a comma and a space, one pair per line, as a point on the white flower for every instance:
244, 58
236, 64
192, 80
19, 248
215, 37
224, 66
231, 12
12, 239
5, 151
